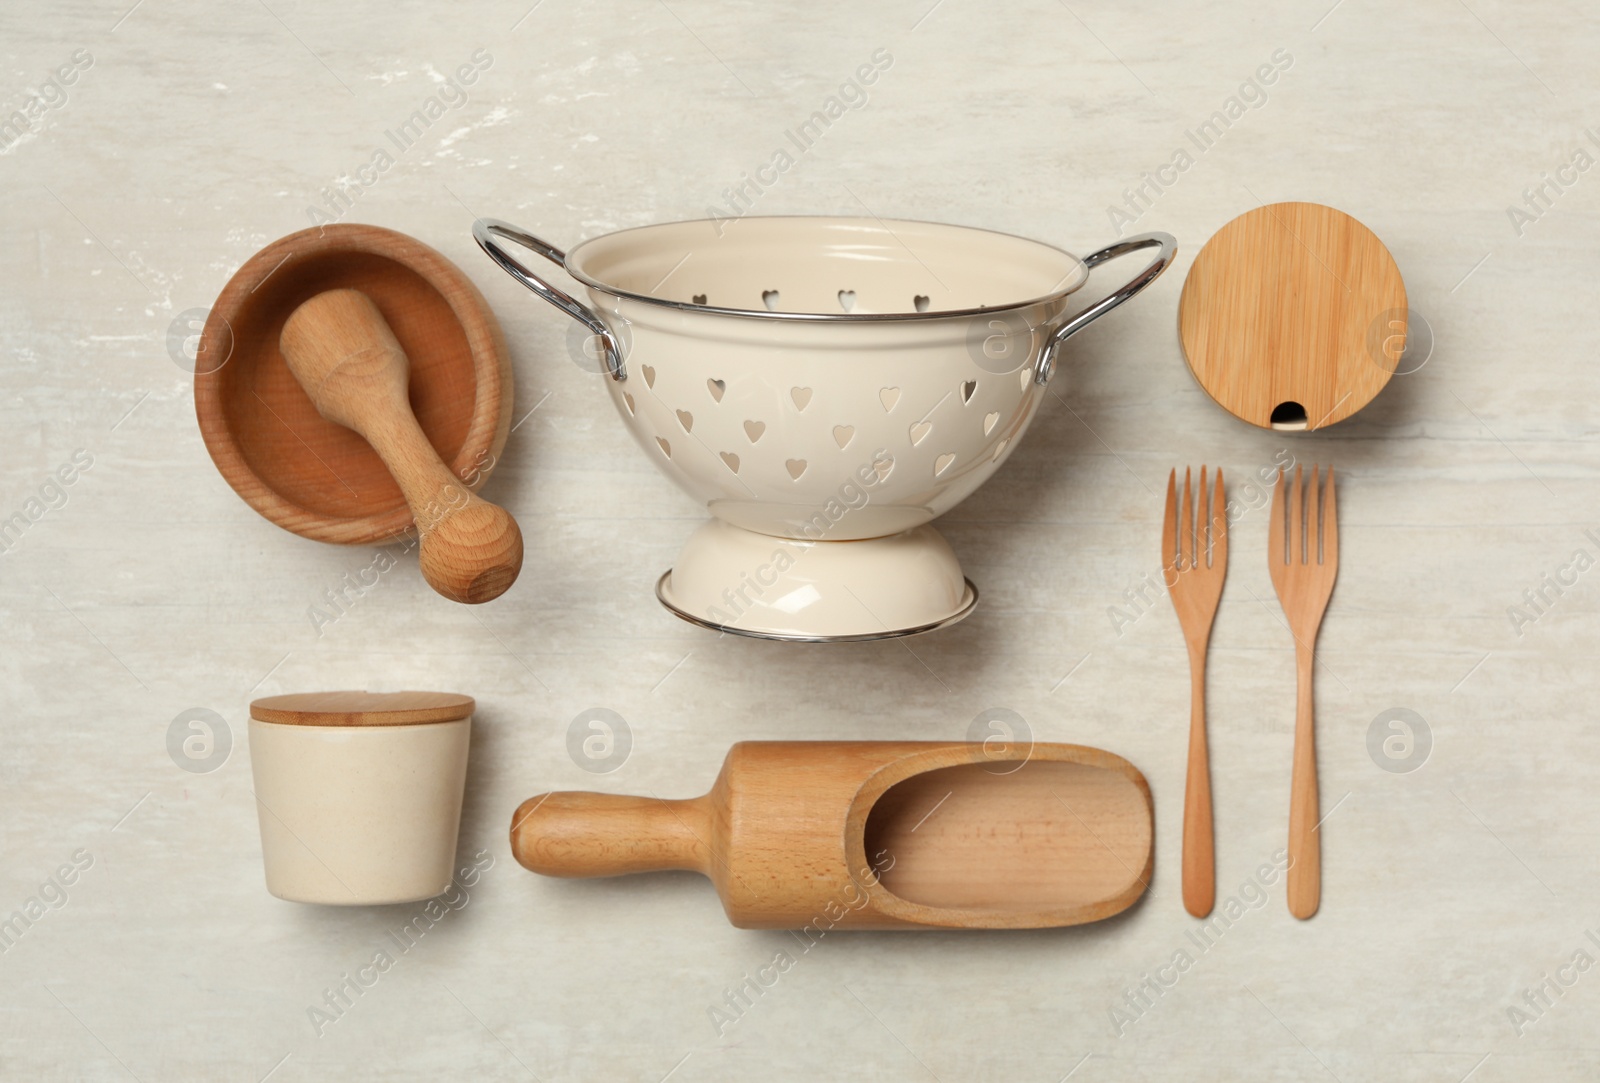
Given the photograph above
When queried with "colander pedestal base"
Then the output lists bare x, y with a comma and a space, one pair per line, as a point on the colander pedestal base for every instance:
735, 580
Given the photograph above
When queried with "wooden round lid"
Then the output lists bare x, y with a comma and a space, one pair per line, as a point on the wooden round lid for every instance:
1289, 316
362, 708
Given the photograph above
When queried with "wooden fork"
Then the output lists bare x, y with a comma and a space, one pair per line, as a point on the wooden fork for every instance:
1194, 556
1303, 572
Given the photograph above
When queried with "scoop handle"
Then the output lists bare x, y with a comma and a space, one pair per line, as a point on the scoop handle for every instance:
344, 354
577, 834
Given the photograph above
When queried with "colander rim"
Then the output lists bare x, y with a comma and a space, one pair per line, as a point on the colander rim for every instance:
568, 264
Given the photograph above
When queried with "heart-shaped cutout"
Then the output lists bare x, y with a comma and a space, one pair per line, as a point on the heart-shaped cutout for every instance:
649, 375
717, 388
889, 396
666, 448
967, 389
843, 434
1025, 377
770, 299
847, 299
999, 450
883, 467
754, 429
801, 397
989, 420
942, 463
920, 302
796, 467
699, 298
920, 431
730, 460
686, 419
627, 398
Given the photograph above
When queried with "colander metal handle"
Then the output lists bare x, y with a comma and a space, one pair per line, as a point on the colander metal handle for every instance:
1169, 248
485, 230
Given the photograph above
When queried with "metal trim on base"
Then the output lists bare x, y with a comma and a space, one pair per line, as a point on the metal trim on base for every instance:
968, 603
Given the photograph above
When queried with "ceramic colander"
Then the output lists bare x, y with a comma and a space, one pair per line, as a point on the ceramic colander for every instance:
826, 387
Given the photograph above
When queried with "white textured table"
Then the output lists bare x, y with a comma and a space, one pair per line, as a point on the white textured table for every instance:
191, 134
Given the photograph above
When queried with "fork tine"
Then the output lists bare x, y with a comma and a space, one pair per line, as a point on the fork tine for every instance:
1186, 525
1275, 549
1297, 517
1169, 529
1330, 525
1202, 524
1314, 518
1219, 522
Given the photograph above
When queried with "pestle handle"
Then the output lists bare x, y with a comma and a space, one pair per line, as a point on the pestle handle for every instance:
579, 834
344, 354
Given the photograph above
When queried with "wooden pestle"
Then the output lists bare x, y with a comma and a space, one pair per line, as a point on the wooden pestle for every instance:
341, 349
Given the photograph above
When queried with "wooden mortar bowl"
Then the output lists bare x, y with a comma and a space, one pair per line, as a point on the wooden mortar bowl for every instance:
309, 475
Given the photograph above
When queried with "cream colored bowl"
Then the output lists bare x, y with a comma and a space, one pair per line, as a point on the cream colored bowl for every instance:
824, 381
359, 794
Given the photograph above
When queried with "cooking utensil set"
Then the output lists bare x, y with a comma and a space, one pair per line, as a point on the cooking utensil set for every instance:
826, 387
1303, 560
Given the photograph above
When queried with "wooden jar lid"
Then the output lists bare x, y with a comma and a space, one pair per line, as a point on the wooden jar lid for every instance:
362, 708
1288, 314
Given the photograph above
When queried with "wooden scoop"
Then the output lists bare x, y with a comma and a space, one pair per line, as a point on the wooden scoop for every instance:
343, 353
875, 835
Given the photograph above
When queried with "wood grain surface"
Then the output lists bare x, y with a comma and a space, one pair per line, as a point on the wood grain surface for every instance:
876, 834
1287, 310
362, 708
345, 356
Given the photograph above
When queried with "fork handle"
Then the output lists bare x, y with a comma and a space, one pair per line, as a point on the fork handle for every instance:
1305, 842
1199, 861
